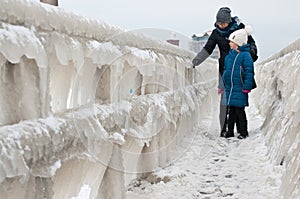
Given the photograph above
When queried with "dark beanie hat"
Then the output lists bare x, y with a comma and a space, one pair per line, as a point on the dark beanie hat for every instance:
223, 15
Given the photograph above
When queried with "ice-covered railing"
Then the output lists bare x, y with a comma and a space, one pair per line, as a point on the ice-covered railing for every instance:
87, 105
99, 146
57, 60
278, 99
43, 17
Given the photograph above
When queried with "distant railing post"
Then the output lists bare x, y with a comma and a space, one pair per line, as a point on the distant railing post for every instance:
51, 2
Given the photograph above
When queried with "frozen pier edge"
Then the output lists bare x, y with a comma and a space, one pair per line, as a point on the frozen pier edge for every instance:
88, 105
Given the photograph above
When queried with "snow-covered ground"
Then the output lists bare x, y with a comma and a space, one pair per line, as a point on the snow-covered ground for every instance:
215, 167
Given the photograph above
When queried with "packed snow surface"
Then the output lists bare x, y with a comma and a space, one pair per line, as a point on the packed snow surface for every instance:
215, 167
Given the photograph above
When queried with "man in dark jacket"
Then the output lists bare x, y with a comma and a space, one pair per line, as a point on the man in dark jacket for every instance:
224, 26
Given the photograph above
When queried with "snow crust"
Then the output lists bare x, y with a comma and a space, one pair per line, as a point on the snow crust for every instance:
215, 168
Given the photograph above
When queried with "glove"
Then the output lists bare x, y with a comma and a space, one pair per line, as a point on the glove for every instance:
220, 91
200, 57
246, 91
194, 66
196, 62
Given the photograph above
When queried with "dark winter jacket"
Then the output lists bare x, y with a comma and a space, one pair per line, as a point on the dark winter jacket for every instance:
238, 75
220, 37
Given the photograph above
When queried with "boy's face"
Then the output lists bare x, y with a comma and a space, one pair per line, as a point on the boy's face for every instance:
222, 25
233, 45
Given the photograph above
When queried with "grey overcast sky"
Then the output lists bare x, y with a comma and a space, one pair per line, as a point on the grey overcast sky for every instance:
276, 23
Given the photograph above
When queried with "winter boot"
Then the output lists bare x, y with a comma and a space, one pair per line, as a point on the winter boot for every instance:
242, 136
230, 132
223, 131
243, 129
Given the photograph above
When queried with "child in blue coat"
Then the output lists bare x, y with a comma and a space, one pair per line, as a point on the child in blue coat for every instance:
238, 79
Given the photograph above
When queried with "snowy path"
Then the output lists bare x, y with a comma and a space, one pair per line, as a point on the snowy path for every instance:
215, 167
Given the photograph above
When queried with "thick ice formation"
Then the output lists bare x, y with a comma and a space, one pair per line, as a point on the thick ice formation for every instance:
278, 99
86, 105
74, 51
135, 129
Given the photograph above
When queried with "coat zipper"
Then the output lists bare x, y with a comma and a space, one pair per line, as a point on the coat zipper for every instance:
232, 80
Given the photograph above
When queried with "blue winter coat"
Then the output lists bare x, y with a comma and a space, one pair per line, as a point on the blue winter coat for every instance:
238, 75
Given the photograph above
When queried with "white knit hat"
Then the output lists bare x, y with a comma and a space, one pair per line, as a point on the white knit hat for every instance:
240, 37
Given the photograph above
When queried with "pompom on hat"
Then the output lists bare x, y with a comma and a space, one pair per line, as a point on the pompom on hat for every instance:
223, 15
240, 37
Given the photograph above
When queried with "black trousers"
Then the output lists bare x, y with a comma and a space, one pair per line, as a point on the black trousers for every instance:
237, 115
